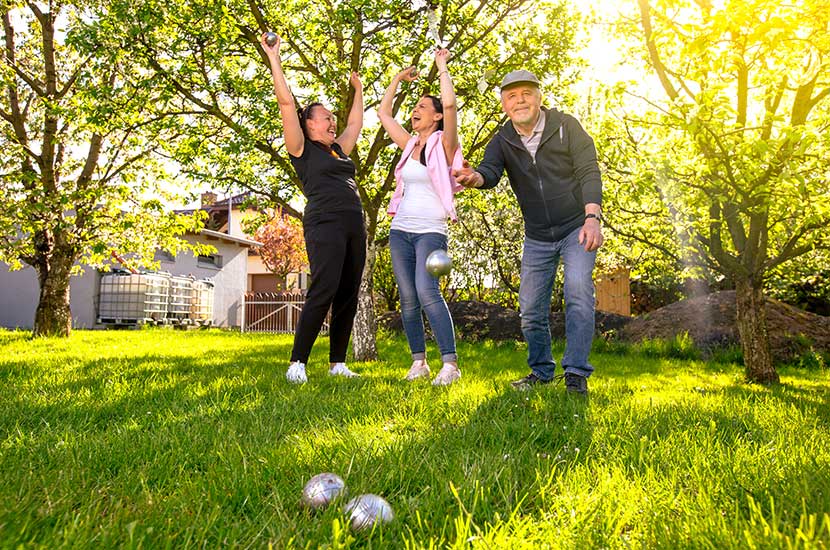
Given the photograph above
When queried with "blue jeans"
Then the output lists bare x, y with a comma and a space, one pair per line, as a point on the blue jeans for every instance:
539, 262
420, 291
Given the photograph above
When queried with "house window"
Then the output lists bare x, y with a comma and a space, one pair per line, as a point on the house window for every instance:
211, 260
164, 256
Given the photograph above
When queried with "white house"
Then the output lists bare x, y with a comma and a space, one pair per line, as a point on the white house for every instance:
227, 269
260, 278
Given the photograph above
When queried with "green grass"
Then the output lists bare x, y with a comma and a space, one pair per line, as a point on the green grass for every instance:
157, 439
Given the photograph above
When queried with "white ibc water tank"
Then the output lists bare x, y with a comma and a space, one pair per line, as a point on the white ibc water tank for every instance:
130, 298
201, 308
180, 299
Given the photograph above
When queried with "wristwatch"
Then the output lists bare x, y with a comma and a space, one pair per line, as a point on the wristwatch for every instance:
595, 216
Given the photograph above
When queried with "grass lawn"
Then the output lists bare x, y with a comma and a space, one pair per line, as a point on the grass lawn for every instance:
156, 439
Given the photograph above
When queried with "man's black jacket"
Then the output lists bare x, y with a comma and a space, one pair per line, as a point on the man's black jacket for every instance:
553, 188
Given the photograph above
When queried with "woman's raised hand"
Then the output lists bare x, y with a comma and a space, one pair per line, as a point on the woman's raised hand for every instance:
269, 49
409, 74
354, 80
442, 55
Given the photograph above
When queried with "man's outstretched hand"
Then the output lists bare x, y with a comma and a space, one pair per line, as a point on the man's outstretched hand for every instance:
467, 177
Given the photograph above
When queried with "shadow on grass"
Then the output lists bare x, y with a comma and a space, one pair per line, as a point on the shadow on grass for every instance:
493, 461
168, 385
172, 417
222, 440
812, 402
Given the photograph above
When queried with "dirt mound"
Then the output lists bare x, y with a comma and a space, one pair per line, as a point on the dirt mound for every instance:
473, 321
482, 320
711, 322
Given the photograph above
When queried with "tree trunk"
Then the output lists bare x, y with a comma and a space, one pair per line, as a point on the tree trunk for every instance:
364, 343
752, 326
53, 316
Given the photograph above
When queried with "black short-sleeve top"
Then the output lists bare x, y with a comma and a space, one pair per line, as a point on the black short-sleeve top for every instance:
327, 179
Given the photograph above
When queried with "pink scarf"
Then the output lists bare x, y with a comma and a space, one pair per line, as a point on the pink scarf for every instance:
439, 173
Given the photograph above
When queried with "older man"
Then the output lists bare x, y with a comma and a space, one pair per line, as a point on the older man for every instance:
552, 166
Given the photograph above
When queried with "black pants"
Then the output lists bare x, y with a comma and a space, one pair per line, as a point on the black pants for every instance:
336, 247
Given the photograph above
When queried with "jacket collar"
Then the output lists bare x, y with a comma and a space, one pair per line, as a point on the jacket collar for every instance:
553, 120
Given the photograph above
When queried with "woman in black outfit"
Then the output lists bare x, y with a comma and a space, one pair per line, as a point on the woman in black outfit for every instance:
332, 222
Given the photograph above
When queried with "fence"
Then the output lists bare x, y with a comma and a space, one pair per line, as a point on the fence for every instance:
614, 292
276, 312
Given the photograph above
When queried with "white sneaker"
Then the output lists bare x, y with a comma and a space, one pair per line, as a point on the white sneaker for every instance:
419, 369
296, 373
447, 375
340, 369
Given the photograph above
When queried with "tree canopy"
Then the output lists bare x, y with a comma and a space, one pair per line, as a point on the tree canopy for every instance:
727, 167
79, 176
283, 248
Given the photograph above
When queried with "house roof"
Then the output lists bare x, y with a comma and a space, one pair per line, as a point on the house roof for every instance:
219, 206
216, 235
235, 200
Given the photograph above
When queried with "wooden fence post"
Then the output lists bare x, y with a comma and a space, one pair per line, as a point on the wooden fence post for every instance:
613, 292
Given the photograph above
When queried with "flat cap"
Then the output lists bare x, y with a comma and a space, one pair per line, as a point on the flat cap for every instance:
519, 77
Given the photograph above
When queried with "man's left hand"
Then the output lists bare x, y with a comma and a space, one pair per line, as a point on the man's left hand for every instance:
590, 236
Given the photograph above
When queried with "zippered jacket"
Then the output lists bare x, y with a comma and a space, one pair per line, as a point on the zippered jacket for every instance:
553, 188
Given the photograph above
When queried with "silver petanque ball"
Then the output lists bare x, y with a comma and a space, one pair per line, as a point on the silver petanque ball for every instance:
271, 38
367, 511
322, 489
439, 263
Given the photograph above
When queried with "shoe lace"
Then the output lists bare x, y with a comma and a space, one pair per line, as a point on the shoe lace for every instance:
575, 382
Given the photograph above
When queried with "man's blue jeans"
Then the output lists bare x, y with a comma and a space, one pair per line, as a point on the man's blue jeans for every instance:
539, 262
419, 290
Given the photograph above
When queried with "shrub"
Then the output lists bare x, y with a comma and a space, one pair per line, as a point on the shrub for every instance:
680, 347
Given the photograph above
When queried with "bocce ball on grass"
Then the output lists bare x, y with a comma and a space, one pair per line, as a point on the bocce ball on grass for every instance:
368, 510
322, 489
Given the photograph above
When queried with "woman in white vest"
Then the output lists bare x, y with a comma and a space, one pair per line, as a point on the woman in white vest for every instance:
420, 206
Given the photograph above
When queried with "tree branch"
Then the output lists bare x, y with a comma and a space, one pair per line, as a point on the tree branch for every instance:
71, 81
16, 118
645, 19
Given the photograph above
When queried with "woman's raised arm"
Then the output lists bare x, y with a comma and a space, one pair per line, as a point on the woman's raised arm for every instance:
450, 135
293, 133
348, 138
392, 126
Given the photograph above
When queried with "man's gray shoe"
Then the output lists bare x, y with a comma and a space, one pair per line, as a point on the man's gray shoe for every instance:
529, 381
575, 383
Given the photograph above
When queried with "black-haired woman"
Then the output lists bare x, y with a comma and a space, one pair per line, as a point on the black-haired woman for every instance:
421, 204
332, 222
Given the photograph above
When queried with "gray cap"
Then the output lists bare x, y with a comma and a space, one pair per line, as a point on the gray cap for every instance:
519, 77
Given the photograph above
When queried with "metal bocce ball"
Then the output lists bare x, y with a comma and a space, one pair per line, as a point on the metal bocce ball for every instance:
322, 489
367, 511
271, 38
439, 263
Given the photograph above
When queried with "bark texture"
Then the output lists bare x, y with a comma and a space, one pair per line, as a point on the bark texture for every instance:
364, 344
53, 263
752, 327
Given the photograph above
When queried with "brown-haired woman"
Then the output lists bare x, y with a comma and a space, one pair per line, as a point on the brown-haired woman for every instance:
422, 203
332, 221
